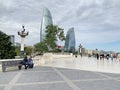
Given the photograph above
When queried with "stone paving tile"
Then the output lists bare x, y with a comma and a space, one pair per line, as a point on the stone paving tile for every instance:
39, 77
80, 75
99, 85
60, 86
5, 77
112, 75
61, 69
41, 68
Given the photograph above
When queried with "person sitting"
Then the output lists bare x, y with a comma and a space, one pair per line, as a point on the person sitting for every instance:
25, 62
30, 62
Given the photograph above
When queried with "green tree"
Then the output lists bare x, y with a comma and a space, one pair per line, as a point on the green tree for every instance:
28, 50
6, 49
41, 47
53, 34
17, 50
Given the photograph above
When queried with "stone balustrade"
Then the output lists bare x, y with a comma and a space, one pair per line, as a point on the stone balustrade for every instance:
37, 60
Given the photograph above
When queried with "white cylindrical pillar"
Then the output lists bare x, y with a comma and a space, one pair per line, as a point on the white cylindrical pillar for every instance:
80, 50
22, 43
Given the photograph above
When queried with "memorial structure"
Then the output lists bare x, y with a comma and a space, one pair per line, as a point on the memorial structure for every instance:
22, 34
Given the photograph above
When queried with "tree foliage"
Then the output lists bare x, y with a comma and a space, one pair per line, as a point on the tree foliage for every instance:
28, 50
53, 34
41, 47
6, 49
17, 50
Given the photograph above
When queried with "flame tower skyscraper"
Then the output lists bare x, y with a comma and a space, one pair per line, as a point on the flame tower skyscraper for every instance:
70, 40
46, 20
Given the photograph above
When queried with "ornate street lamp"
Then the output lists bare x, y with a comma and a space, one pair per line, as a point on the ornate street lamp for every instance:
80, 49
22, 34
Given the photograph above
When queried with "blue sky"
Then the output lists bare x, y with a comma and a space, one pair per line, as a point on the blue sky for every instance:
96, 22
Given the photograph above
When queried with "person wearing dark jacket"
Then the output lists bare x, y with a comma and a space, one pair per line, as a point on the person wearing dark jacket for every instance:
30, 62
25, 62
97, 55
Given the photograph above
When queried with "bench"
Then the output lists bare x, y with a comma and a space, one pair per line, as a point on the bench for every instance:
10, 63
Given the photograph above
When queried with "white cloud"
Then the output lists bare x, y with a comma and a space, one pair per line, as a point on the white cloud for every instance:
95, 21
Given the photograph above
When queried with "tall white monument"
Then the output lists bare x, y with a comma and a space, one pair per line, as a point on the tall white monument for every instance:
22, 34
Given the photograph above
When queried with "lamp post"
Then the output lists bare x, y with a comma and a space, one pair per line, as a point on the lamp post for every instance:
22, 34
80, 50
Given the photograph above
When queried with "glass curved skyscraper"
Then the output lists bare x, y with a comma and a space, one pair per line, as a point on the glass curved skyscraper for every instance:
46, 20
70, 40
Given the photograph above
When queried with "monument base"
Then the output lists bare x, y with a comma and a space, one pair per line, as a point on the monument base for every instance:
21, 53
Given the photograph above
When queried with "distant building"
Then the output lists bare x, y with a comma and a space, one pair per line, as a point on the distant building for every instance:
70, 40
12, 39
46, 20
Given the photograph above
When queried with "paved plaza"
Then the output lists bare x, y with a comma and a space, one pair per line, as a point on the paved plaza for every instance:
62, 77
86, 63
51, 78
